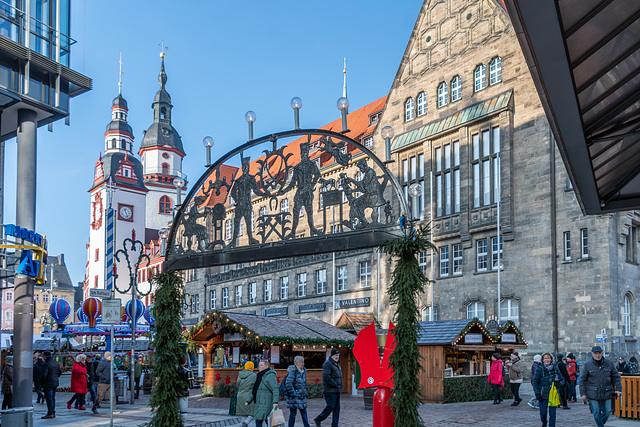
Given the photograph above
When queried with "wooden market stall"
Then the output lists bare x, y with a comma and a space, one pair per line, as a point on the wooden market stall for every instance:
457, 357
229, 338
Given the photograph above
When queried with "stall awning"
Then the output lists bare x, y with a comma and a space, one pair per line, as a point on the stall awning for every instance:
584, 59
355, 322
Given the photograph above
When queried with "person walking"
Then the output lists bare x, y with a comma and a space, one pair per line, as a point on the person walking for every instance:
37, 378
50, 379
78, 382
103, 372
495, 377
7, 383
137, 373
564, 390
296, 383
515, 377
599, 383
623, 367
331, 388
91, 377
264, 393
546, 374
537, 360
572, 370
246, 380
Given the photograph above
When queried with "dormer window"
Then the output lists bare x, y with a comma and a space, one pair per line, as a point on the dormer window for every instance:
373, 119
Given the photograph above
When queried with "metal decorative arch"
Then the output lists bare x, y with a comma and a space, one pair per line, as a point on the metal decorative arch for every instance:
207, 230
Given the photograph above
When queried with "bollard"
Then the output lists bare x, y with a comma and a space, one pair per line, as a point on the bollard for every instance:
17, 417
383, 415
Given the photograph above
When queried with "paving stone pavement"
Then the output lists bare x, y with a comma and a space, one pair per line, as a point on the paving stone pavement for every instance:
212, 412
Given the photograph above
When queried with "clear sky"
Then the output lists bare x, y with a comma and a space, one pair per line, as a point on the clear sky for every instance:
223, 59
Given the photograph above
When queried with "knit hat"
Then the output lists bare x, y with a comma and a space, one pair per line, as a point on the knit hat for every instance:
248, 366
496, 355
560, 356
537, 358
570, 356
334, 351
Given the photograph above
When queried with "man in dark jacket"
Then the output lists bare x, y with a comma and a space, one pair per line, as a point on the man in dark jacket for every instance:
331, 388
50, 379
623, 367
7, 383
563, 391
572, 370
103, 372
599, 383
91, 374
37, 378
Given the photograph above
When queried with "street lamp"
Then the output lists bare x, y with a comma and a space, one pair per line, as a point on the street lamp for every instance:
296, 104
179, 183
415, 191
343, 105
250, 117
208, 143
163, 233
387, 134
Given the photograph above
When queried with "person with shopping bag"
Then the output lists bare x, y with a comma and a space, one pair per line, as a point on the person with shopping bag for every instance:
546, 382
265, 393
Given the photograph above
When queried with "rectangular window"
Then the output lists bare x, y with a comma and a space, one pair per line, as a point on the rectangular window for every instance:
253, 290
238, 295
195, 304
9, 296
496, 252
365, 274
444, 261
632, 245
225, 297
457, 259
302, 284
584, 243
213, 299
626, 313
228, 229
476, 309
413, 173
481, 255
567, 246
422, 261
341, 274
45, 298
267, 290
486, 186
284, 287
510, 310
321, 281
97, 254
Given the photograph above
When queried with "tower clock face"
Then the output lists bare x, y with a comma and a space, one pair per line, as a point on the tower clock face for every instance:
125, 212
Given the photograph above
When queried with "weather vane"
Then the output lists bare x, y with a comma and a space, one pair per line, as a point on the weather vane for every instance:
162, 49
120, 73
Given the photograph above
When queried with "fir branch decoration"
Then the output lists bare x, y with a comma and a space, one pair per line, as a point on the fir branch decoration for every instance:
408, 283
164, 399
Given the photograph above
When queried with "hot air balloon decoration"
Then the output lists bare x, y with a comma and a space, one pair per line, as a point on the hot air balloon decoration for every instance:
139, 309
148, 317
123, 316
92, 308
81, 316
59, 310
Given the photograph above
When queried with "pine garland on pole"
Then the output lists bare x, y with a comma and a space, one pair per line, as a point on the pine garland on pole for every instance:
408, 283
166, 392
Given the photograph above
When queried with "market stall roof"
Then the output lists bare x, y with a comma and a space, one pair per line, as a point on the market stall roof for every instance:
269, 329
47, 344
584, 58
125, 345
354, 322
443, 332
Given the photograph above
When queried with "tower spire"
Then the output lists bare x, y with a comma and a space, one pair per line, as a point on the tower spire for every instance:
162, 78
344, 85
120, 76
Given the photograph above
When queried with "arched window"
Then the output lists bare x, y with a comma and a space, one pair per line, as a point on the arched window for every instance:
626, 314
165, 205
479, 78
475, 309
495, 71
123, 144
165, 168
422, 104
443, 94
408, 110
113, 143
163, 113
456, 88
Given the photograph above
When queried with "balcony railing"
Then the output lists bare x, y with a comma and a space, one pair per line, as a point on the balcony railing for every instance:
172, 173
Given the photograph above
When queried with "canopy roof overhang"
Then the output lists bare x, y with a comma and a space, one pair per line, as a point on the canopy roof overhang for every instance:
584, 60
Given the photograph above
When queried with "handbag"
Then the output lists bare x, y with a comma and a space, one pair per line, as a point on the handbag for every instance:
276, 418
554, 397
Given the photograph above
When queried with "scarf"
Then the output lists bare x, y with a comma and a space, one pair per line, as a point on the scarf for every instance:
260, 374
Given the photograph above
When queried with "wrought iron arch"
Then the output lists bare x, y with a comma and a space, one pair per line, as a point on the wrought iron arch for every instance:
200, 233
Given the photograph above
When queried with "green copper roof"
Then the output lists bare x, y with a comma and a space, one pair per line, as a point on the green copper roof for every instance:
462, 117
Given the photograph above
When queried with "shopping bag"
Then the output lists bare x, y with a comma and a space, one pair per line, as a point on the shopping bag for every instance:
232, 404
554, 397
276, 418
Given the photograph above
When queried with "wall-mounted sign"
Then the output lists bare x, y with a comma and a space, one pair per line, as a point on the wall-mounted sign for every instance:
276, 311
187, 322
233, 337
309, 308
508, 338
473, 339
354, 302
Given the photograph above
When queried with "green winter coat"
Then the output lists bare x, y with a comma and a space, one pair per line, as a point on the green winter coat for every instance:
246, 379
267, 396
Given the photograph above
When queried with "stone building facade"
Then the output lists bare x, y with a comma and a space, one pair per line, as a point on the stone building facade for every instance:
470, 129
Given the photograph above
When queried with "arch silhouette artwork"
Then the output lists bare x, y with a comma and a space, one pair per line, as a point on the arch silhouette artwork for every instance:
340, 197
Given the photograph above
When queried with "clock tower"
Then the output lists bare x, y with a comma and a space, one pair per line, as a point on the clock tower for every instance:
118, 179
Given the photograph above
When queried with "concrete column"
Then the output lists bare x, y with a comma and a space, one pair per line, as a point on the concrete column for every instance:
23, 304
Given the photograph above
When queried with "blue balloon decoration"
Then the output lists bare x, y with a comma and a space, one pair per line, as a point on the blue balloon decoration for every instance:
59, 310
81, 316
139, 309
148, 317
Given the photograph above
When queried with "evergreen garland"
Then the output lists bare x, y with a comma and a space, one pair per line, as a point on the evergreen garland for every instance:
168, 302
407, 285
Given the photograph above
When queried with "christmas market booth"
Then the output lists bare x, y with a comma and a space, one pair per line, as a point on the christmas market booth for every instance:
229, 339
457, 358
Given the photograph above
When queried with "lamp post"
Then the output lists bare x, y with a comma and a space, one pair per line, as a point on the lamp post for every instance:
207, 141
387, 134
131, 245
343, 105
250, 117
163, 233
415, 191
296, 104
179, 183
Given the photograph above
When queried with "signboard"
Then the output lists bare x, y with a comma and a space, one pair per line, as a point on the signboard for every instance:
100, 293
111, 312
509, 338
275, 354
309, 308
600, 337
473, 339
191, 321
276, 311
354, 302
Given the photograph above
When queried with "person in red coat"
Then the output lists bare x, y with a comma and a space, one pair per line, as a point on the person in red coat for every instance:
78, 382
495, 377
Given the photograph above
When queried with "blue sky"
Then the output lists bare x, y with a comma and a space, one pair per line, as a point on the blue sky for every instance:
223, 59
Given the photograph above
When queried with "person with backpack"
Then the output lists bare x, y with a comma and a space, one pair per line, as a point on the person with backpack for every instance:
246, 380
572, 370
265, 392
295, 387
